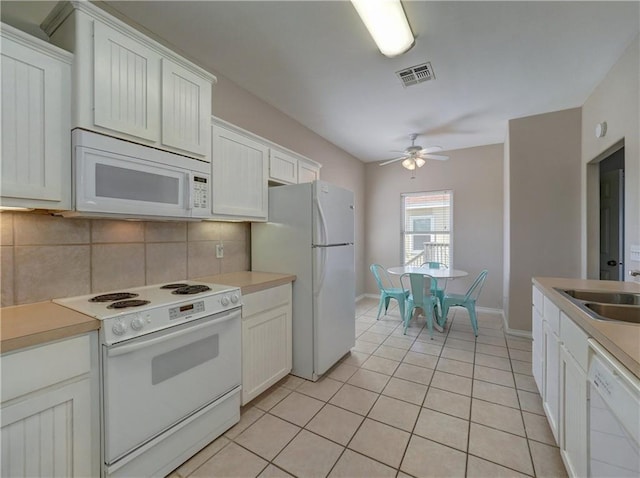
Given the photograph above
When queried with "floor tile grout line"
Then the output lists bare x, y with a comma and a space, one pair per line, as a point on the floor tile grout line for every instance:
325, 402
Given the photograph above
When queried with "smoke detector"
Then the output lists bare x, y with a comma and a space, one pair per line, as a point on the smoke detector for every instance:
416, 74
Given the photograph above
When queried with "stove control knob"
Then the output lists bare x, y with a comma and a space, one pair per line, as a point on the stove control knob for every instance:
224, 300
137, 323
235, 298
119, 328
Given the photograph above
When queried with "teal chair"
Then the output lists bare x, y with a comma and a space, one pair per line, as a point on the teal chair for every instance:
387, 291
421, 297
468, 301
436, 289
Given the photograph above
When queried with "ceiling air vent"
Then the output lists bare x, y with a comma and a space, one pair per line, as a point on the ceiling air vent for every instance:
416, 74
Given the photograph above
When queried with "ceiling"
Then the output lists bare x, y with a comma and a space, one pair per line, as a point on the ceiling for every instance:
315, 61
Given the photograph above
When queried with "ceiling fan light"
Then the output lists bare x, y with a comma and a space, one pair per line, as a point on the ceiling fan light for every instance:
387, 24
420, 162
409, 164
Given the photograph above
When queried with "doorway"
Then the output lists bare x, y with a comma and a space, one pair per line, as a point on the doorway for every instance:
612, 216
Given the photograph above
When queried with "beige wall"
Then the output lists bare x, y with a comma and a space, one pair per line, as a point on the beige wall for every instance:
243, 109
475, 177
616, 100
46, 257
543, 219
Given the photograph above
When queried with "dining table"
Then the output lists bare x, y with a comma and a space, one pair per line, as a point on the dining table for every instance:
438, 273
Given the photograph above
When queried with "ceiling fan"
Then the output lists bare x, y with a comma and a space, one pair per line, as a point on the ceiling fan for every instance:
414, 156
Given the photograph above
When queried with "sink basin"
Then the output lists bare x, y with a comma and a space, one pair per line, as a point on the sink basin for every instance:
625, 313
605, 297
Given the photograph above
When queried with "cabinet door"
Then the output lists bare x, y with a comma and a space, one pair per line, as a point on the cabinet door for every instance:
282, 167
126, 85
538, 351
307, 172
186, 110
551, 398
36, 110
239, 175
266, 350
573, 438
49, 434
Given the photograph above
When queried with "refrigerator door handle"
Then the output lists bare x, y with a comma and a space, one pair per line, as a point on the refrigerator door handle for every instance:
324, 233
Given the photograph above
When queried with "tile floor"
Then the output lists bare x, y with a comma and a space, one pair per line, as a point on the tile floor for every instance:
398, 406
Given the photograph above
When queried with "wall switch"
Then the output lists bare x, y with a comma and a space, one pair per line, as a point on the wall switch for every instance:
219, 251
635, 253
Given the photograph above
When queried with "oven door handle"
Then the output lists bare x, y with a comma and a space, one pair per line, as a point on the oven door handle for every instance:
128, 348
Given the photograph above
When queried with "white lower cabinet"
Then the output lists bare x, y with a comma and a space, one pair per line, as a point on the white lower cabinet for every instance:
574, 385
537, 331
560, 360
551, 395
49, 410
266, 340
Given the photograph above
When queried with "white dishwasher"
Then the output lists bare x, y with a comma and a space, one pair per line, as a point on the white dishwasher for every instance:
614, 417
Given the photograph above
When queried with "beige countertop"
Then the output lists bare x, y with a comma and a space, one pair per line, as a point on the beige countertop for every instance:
33, 324
620, 339
249, 281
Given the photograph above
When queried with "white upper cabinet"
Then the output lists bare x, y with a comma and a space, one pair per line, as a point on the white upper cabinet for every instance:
308, 171
239, 171
283, 167
290, 168
186, 109
36, 99
129, 86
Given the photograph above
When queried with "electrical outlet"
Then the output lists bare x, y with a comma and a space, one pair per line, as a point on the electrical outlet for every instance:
219, 251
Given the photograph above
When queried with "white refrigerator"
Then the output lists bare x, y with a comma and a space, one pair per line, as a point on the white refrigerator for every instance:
310, 233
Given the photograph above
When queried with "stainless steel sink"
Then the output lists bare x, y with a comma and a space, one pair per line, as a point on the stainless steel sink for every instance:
606, 305
625, 313
605, 297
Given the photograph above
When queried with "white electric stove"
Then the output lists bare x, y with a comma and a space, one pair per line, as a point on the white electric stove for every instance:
170, 372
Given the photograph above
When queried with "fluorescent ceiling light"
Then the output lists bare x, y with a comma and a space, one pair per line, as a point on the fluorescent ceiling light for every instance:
387, 24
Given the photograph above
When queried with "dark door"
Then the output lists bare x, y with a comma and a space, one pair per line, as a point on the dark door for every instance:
612, 217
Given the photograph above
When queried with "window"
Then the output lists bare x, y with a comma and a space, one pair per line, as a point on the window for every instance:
426, 227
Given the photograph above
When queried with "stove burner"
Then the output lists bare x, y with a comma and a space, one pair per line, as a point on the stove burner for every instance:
191, 289
174, 286
112, 297
123, 304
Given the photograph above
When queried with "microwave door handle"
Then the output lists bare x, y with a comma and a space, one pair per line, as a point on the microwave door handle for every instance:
190, 191
125, 349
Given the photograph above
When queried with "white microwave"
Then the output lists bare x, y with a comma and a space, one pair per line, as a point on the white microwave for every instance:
117, 178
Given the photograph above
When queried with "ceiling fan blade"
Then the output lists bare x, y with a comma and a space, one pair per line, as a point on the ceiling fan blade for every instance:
431, 149
389, 161
437, 157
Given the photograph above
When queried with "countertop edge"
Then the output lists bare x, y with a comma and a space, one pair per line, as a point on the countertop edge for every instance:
250, 281
586, 323
39, 338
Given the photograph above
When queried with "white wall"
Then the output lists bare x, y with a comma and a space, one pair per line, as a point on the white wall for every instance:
615, 100
475, 177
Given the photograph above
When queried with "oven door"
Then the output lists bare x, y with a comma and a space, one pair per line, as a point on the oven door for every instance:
153, 382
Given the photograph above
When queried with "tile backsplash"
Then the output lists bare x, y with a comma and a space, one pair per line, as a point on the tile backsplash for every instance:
45, 257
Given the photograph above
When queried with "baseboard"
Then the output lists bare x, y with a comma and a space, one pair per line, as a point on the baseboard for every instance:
367, 296
489, 310
515, 332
